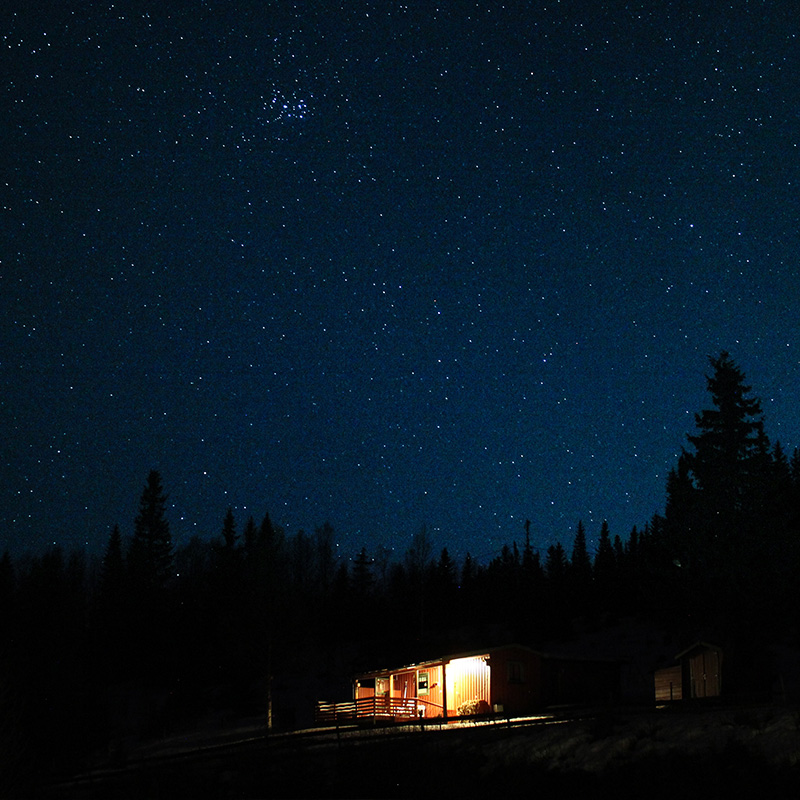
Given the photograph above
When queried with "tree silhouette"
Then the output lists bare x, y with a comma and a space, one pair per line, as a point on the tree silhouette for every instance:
445, 572
604, 559
112, 601
324, 559
605, 570
227, 562
250, 535
556, 563
213, 622
730, 446
229, 535
7, 584
362, 579
580, 565
150, 555
721, 524
417, 560
113, 562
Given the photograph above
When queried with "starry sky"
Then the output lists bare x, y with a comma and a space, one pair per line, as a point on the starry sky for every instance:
386, 264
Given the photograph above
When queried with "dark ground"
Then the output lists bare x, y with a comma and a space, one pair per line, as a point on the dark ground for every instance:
658, 754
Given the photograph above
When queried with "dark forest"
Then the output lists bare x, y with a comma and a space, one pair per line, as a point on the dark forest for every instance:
153, 638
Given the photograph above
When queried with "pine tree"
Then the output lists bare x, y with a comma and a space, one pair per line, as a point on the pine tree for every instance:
527, 550
468, 572
250, 535
112, 577
229, 535
555, 594
579, 575
418, 556
113, 609
580, 563
605, 567
730, 448
382, 560
680, 514
150, 555
418, 561
717, 528
227, 561
556, 564
271, 538
301, 555
445, 571
619, 551
632, 548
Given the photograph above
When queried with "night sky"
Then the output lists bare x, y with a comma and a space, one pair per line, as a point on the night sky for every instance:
386, 265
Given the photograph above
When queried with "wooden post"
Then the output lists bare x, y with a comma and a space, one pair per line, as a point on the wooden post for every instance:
444, 691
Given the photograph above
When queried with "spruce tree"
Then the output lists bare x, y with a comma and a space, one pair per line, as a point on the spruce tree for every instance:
605, 571
559, 611
112, 576
228, 561
113, 609
229, 535
250, 535
580, 563
445, 571
730, 448
150, 555
556, 564
715, 519
605, 558
468, 572
579, 574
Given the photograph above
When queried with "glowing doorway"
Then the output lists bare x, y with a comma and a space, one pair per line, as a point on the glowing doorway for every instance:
468, 685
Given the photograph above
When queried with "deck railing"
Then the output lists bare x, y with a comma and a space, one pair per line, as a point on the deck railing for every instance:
375, 708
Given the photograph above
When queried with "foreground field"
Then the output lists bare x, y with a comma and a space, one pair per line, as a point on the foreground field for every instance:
654, 753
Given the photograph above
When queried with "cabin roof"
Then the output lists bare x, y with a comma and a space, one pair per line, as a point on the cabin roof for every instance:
486, 653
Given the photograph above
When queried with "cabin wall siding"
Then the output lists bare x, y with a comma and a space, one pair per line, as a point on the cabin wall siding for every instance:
516, 680
468, 682
668, 683
433, 700
703, 674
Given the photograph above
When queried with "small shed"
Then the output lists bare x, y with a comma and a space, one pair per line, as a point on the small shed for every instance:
697, 674
512, 679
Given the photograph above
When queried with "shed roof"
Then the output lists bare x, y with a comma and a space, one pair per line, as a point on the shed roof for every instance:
696, 648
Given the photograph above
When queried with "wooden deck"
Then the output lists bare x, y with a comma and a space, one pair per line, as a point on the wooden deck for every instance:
375, 708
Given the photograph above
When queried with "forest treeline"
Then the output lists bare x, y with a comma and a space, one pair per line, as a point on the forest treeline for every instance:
152, 636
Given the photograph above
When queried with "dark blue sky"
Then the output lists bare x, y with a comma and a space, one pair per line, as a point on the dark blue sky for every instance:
386, 265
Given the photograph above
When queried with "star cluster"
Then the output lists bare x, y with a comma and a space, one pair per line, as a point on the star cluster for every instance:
386, 264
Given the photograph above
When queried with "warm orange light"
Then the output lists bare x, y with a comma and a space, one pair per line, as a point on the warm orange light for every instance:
468, 681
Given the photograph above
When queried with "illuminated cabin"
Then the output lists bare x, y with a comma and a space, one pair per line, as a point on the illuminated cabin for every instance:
512, 680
